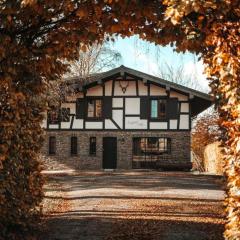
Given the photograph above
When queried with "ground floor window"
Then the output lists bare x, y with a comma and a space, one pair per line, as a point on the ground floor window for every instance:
147, 150
52, 145
151, 146
92, 147
74, 143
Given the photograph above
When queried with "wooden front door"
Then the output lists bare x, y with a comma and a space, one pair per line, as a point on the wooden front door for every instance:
109, 153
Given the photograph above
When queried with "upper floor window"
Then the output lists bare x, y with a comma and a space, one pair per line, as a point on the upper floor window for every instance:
53, 117
94, 108
158, 108
57, 115
52, 145
65, 114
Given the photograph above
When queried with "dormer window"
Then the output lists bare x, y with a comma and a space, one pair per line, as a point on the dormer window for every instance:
158, 108
94, 108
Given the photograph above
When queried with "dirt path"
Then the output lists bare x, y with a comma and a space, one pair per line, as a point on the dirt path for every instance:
134, 205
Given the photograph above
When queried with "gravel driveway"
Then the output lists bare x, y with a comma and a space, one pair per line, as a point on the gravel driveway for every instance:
134, 205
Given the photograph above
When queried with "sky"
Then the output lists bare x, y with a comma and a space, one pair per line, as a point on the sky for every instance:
148, 58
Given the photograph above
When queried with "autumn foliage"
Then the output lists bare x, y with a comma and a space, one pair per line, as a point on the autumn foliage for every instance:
38, 37
21, 181
205, 132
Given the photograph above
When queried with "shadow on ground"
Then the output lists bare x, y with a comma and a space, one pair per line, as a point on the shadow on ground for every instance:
142, 205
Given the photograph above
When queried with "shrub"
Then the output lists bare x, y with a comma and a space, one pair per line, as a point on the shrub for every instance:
21, 181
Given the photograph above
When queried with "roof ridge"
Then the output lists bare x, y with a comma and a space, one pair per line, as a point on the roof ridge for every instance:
148, 77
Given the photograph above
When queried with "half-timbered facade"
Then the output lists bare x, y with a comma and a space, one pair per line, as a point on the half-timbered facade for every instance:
124, 119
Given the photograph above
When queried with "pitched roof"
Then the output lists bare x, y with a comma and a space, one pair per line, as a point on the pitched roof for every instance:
95, 77
200, 102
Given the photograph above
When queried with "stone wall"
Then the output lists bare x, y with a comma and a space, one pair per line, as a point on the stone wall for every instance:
179, 158
213, 158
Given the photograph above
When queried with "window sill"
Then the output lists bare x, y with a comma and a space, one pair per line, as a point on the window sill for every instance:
158, 119
147, 155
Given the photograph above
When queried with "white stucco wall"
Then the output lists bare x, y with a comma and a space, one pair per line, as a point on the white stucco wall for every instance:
94, 125
142, 89
158, 125
109, 124
66, 125
117, 116
157, 91
132, 106
53, 126
173, 124
135, 123
108, 88
184, 122
117, 102
77, 123
180, 97
185, 107
130, 90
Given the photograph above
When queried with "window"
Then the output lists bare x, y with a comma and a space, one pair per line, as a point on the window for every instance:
94, 108
74, 145
158, 108
53, 117
92, 147
52, 145
65, 114
151, 146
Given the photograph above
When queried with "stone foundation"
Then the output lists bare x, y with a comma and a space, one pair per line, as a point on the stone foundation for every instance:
179, 158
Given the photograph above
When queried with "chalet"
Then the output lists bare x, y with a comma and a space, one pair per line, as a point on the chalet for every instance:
124, 119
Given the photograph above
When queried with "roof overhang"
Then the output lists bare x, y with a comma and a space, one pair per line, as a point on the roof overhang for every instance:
199, 101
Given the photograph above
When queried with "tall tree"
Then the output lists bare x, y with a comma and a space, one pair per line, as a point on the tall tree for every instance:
38, 37
92, 60
95, 59
177, 74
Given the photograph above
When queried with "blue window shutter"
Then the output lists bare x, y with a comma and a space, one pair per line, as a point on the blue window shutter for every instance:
154, 108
